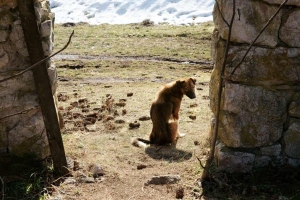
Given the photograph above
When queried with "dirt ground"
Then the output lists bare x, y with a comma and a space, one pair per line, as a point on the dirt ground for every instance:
97, 112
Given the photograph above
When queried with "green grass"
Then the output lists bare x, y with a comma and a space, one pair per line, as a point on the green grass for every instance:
161, 41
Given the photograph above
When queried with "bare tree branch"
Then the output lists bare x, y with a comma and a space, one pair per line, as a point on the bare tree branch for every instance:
262, 30
205, 174
41, 61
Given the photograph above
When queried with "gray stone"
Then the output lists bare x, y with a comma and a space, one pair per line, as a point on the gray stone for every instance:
3, 35
46, 29
244, 30
261, 161
47, 47
279, 161
289, 32
87, 180
291, 139
17, 38
69, 180
232, 161
294, 162
294, 107
162, 180
273, 150
251, 116
270, 68
4, 59
278, 2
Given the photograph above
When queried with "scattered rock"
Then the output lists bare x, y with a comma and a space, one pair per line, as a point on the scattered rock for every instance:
199, 89
144, 118
69, 180
87, 180
68, 24
121, 104
124, 112
205, 97
89, 120
76, 115
96, 171
122, 100
116, 113
108, 118
196, 143
192, 117
120, 121
164, 179
62, 97
193, 105
129, 94
91, 128
85, 110
134, 124
83, 100
141, 166
74, 103
107, 86
180, 193
63, 79
94, 115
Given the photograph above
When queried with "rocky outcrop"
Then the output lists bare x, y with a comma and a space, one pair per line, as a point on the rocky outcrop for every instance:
260, 118
22, 129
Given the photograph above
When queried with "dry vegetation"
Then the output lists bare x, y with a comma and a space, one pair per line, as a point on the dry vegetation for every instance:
108, 77
101, 94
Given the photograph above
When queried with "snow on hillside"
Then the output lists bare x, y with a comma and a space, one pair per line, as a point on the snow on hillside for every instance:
132, 11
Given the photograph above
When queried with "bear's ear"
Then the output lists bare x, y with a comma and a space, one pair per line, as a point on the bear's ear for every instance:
193, 80
179, 82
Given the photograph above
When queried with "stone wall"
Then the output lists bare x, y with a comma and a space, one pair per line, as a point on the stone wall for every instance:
22, 133
260, 106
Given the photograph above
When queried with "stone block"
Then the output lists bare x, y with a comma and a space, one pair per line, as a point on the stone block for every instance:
251, 116
272, 150
291, 139
244, 30
289, 32
261, 161
232, 161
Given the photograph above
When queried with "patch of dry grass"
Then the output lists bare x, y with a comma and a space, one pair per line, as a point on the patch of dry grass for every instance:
164, 41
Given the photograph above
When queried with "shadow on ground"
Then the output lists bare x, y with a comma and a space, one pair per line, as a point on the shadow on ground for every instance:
23, 177
267, 183
169, 153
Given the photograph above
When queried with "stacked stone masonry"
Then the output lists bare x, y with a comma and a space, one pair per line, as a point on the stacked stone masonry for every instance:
260, 105
22, 133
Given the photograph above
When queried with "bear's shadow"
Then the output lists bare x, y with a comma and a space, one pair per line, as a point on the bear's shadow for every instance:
169, 153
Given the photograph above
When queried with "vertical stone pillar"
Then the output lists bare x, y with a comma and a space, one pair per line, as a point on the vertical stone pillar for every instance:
260, 120
22, 129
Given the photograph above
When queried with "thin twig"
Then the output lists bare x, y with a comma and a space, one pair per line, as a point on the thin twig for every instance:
41, 61
200, 163
19, 113
262, 30
205, 174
